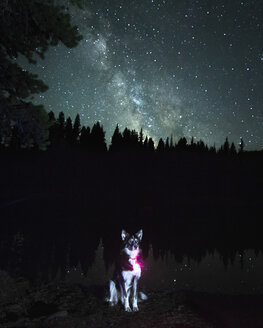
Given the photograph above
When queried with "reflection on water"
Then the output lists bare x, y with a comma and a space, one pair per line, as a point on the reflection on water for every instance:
61, 217
242, 276
179, 256
97, 273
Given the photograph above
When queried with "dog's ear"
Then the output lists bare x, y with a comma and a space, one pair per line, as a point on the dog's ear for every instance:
124, 234
139, 235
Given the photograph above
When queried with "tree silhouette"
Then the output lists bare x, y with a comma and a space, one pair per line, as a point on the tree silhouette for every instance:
241, 145
130, 140
126, 135
192, 146
134, 143
141, 139
31, 124
201, 147
64, 133
60, 126
52, 127
167, 144
116, 140
76, 129
160, 146
182, 144
69, 131
29, 28
97, 138
233, 150
145, 143
15, 142
171, 143
85, 138
151, 145
212, 149
226, 147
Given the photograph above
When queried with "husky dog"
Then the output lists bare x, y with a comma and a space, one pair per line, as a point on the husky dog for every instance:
127, 273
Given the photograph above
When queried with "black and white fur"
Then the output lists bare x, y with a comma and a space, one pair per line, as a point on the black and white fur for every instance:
125, 278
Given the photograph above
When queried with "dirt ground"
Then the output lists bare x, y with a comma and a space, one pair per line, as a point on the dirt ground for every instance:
75, 306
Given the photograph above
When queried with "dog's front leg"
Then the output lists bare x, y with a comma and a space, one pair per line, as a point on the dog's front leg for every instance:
126, 301
135, 299
127, 287
113, 300
127, 278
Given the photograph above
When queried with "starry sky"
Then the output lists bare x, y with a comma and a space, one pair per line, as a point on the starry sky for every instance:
172, 67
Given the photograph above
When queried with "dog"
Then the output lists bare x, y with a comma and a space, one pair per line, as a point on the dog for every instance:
127, 273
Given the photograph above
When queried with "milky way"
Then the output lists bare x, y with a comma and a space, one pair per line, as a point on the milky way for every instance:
171, 67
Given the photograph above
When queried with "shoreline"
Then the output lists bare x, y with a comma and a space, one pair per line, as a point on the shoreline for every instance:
75, 306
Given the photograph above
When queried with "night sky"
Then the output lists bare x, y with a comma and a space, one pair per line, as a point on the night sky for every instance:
172, 67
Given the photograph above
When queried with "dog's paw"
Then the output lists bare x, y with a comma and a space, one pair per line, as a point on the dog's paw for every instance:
128, 309
135, 309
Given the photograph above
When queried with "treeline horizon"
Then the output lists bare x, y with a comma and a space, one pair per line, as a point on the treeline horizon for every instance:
64, 132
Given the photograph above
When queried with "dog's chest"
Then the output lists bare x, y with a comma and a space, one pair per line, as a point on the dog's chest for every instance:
128, 275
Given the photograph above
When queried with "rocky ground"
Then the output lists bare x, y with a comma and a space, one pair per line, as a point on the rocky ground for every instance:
58, 305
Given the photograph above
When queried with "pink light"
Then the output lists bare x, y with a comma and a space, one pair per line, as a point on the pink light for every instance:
134, 254
136, 266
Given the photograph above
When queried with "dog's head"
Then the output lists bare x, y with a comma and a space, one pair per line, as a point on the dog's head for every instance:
131, 243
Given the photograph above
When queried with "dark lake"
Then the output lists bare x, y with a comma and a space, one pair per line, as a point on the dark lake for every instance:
61, 219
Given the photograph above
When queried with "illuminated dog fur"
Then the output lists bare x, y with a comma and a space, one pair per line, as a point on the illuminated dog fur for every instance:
127, 273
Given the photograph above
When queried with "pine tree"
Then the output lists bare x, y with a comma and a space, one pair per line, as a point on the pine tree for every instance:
76, 129
233, 149
200, 147
126, 135
192, 144
30, 120
60, 126
145, 143
226, 147
28, 28
167, 144
52, 126
116, 140
182, 144
97, 138
15, 142
85, 138
151, 145
160, 146
134, 142
141, 138
171, 146
241, 145
69, 131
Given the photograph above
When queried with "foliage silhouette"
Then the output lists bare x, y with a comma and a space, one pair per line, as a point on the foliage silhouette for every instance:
28, 29
63, 133
160, 146
116, 140
97, 138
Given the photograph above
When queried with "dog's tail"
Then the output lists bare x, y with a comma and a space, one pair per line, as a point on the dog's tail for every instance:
142, 297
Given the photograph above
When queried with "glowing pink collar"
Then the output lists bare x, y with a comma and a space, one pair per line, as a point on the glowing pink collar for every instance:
133, 258
134, 254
